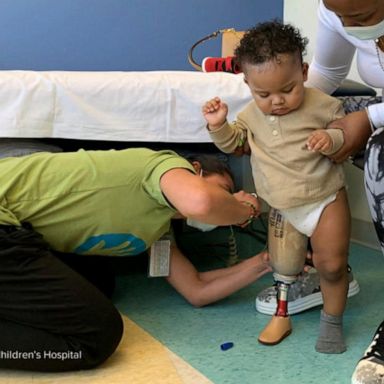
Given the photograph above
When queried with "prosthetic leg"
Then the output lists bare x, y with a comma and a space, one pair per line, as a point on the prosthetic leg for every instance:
287, 251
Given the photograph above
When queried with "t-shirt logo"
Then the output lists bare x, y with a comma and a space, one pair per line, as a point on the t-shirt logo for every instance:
112, 244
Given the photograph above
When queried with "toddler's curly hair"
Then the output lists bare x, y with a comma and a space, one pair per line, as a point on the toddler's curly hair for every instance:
267, 41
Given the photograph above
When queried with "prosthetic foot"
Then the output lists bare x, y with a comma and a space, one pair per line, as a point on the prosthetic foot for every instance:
276, 330
279, 327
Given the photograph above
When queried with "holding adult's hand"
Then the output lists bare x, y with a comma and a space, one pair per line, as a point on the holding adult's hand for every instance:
357, 129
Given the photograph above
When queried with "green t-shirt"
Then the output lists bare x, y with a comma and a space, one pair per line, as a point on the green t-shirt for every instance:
90, 202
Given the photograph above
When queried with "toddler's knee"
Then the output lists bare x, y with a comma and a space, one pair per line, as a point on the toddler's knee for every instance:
332, 270
105, 340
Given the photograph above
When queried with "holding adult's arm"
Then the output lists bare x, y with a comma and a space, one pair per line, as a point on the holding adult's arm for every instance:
357, 129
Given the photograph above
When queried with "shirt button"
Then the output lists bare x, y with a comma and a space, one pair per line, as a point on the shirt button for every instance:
272, 118
275, 133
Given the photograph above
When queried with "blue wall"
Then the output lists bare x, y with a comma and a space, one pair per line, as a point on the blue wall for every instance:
119, 34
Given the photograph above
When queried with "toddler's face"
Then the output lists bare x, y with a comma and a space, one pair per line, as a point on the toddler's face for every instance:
277, 87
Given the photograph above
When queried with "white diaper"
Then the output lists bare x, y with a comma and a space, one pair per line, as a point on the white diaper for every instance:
306, 217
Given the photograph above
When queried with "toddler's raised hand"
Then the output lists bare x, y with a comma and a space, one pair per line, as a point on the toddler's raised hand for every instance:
215, 113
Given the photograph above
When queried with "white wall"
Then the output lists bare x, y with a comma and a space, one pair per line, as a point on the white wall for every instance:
303, 14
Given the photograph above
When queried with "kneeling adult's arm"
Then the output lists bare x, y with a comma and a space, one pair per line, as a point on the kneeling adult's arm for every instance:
207, 287
196, 198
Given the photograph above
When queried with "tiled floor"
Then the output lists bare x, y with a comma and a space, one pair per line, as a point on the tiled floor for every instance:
196, 334
170, 342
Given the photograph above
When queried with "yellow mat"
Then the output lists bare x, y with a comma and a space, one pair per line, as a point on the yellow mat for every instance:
140, 359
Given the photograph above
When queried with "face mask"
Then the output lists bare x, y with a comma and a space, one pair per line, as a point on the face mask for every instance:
202, 226
368, 32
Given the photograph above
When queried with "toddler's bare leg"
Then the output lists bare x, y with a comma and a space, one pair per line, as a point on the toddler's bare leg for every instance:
330, 243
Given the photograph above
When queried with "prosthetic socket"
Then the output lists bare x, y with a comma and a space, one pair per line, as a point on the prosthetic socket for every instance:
287, 249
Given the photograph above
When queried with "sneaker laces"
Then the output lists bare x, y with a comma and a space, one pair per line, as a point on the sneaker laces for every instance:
376, 349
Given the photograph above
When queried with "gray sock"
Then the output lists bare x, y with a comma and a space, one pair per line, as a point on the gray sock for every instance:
330, 338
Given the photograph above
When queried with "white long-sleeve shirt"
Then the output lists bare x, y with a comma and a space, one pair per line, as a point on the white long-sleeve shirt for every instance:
333, 57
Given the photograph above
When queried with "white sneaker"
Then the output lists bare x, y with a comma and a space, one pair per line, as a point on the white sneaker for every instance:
370, 369
304, 294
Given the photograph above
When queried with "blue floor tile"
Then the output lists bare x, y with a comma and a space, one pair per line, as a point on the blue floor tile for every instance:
196, 334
